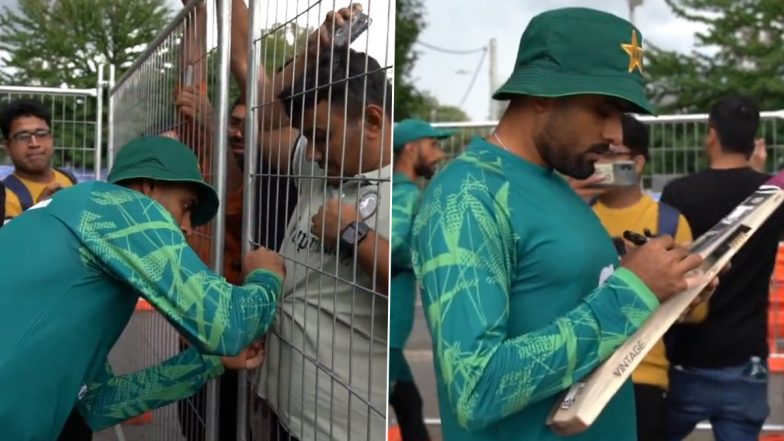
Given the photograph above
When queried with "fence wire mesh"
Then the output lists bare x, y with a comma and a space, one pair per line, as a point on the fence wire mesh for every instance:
324, 376
175, 89
326, 352
75, 127
677, 143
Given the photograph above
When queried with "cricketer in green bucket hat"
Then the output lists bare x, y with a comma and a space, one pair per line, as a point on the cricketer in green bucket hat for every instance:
410, 130
579, 51
165, 159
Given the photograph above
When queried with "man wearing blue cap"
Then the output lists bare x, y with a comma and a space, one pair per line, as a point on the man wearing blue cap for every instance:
522, 287
108, 244
417, 155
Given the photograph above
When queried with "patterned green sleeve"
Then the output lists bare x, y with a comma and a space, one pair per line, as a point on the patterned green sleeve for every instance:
405, 197
112, 400
464, 256
137, 241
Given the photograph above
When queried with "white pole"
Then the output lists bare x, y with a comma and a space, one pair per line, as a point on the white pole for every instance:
493, 79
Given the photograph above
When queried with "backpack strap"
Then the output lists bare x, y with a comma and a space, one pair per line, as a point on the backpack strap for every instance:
2, 203
668, 220
17, 187
668, 224
67, 173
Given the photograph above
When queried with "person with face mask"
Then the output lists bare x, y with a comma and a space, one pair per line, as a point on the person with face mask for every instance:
523, 289
417, 156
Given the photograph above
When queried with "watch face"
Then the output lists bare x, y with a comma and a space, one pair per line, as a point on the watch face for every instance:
368, 204
350, 234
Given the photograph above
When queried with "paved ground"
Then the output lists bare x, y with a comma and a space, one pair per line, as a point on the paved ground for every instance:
420, 359
149, 340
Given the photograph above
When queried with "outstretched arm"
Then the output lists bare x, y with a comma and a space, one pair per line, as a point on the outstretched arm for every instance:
464, 256
111, 400
134, 239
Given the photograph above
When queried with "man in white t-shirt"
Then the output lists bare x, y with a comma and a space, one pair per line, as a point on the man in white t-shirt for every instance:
326, 365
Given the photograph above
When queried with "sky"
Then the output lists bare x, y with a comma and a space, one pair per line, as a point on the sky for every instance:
454, 26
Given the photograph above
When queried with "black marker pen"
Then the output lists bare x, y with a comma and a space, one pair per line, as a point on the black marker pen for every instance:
635, 238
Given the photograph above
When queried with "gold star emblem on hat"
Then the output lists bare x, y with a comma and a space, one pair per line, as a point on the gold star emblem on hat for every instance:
635, 53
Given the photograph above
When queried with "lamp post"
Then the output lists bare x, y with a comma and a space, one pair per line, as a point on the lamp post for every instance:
633, 4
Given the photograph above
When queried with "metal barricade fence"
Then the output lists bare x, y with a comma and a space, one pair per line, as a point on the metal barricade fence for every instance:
76, 126
324, 376
676, 143
677, 149
187, 64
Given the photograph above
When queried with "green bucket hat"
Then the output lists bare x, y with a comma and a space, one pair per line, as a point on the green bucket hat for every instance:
579, 51
165, 159
410, 130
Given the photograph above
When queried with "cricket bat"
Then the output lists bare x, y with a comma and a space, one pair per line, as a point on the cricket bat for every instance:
579, 407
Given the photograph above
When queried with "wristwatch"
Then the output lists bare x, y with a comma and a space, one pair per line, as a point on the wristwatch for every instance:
352, 235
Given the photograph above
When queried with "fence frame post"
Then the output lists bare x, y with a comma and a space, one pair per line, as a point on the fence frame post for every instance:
219, 152
249, 193
110, 121
98, 122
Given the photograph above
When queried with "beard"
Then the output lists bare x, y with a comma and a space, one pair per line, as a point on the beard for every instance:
425, 170
556, 146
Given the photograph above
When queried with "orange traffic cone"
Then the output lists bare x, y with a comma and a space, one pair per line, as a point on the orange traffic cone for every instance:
142, 305
140, 420
394, 434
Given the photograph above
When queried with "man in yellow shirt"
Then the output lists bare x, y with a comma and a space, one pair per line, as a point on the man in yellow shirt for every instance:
622, 208
25, 125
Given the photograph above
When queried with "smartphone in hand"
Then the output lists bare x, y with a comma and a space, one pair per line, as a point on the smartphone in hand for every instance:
617, 174
356, 25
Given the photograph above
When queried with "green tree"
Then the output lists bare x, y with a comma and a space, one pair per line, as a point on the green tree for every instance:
281, 42
409, 23
739, 52
446, 113
62, 42
437, 112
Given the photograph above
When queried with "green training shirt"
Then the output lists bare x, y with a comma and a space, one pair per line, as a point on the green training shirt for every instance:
73, 268
405, 199
522, 297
